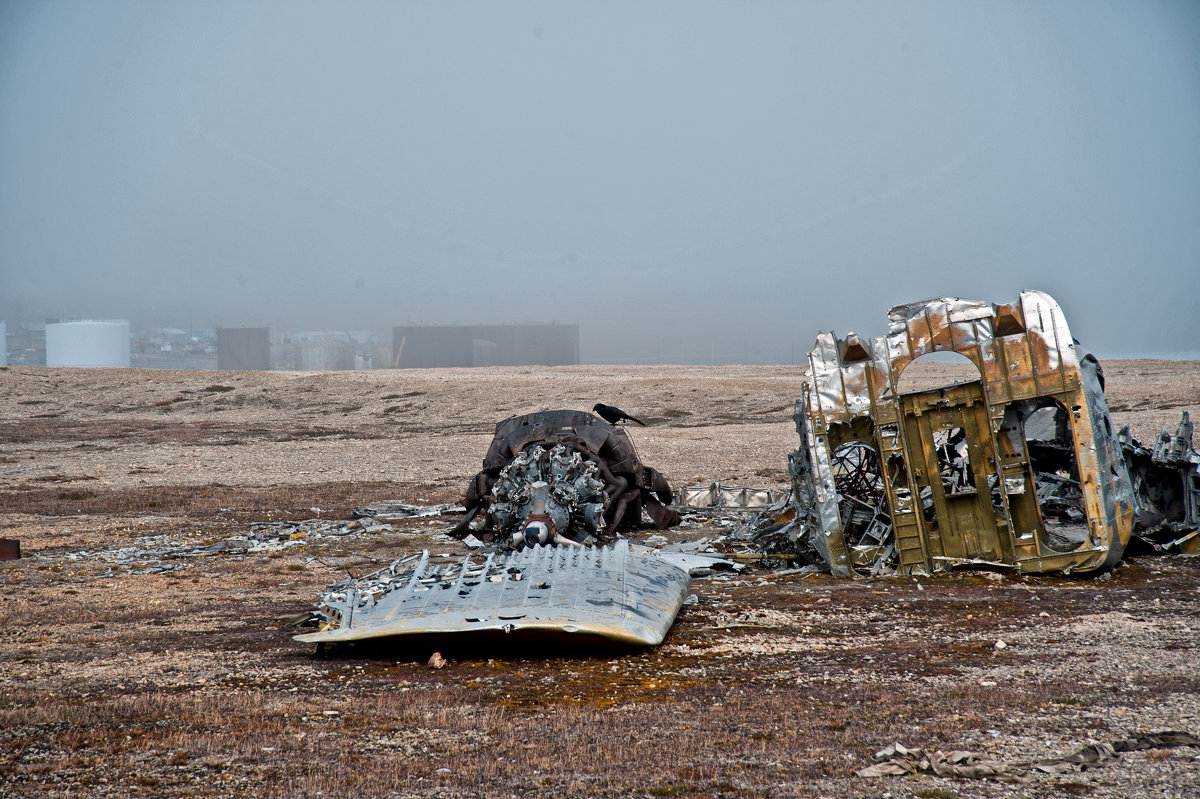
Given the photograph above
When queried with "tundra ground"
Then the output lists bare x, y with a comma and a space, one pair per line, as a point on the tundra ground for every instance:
135, 664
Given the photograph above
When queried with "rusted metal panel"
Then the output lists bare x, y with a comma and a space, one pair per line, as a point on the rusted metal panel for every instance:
609, 592
951, 468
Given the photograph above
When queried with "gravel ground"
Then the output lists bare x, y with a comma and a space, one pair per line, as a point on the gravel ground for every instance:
144, 654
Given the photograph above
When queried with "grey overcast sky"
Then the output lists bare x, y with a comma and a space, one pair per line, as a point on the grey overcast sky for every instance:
688, 181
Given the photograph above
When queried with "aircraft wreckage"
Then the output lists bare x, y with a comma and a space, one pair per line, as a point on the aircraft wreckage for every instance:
1017, 468
1020, 468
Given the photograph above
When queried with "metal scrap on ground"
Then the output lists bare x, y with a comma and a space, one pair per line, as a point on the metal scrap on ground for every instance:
394, 510
156, 554
1166, 481
897, 759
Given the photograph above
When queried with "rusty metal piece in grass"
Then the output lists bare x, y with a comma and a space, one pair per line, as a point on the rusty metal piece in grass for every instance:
10, 549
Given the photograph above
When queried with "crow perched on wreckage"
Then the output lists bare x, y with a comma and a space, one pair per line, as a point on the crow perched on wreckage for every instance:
613, 415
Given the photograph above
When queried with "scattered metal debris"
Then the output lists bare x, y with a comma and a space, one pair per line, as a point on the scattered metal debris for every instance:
563, 477
898, 760
1019, 468
394, 510
1166, 480
149, 554
274, 536
611, 592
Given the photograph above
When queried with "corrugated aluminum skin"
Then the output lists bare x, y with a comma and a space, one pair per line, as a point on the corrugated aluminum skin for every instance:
605, 591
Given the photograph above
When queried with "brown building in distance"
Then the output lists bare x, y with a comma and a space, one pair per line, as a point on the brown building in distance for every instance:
431, 346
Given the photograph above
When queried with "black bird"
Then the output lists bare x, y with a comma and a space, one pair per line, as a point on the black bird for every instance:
613, 415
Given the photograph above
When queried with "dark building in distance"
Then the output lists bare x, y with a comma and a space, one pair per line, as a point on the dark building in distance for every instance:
432, 346
244, 348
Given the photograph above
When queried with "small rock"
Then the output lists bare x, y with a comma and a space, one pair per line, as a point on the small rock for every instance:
436, 661
1000, 645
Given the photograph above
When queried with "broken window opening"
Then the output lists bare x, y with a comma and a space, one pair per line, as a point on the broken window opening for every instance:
912, 381
954, 461
897, 476
997, 496
1050, 443
862, 504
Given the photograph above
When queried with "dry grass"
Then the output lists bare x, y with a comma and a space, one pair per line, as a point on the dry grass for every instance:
199, 695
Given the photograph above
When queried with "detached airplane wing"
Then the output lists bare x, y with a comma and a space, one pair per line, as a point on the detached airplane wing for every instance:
611, 592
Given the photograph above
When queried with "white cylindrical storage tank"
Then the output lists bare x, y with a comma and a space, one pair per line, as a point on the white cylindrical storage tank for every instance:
88, 343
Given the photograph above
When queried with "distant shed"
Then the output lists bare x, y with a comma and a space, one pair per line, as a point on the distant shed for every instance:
431, 346
244, 348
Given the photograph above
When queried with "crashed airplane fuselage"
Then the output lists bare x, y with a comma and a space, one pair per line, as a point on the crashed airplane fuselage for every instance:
922, 480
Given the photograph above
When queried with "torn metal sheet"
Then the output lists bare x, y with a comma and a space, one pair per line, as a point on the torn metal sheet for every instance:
562, 477
394, 510
715, 495
694, 562
1166, 480
921, 480
608, 591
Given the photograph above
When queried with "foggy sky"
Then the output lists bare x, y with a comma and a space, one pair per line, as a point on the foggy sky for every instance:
688, 181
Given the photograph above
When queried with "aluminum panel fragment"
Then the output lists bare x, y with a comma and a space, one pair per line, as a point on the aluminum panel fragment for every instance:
715, 495
610, 591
